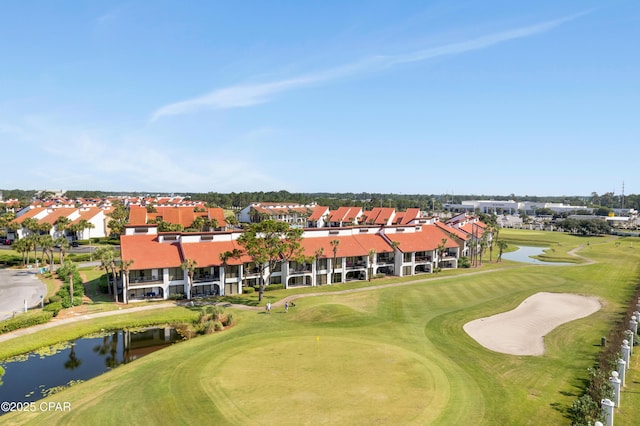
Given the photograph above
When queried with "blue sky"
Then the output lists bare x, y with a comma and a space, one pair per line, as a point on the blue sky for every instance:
492, 97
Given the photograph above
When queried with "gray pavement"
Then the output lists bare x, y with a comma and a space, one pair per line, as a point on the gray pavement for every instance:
16, 286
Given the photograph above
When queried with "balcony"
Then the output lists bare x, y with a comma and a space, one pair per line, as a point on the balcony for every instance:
206, 278
144, 280
358, 264
300, 269
423, 258
251, 271
383, 260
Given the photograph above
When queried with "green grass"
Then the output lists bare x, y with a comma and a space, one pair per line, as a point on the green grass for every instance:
393, 355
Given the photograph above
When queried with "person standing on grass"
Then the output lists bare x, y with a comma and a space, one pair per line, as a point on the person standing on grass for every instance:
286, 306
268, 307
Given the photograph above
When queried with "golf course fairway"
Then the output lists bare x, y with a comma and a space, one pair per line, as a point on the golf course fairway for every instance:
387, 356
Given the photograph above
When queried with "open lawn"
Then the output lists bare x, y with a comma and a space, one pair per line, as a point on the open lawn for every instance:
392, 355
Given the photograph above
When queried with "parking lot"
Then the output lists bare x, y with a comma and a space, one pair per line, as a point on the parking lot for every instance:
16, 286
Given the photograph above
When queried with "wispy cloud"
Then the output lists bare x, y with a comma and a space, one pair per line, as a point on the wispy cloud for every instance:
244, 95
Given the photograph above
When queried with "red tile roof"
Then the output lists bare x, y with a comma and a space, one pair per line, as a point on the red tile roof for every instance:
29, 214
450, 229
87, 214
208, 253
471, 228
410, 215
428, 238
137, 215
147, 252
318, 212
346, 215
216, 213
354, 245
378, 216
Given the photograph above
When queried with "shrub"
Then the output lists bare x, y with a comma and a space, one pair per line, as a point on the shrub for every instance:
209, 328
584, 411
54, 308
248, 290
55, 298
228, 320
273, 287
25, 320
217, 326
184, 330
176, 296
464, 262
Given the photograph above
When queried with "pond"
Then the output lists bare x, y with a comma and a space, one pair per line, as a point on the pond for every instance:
525, 253
35, 375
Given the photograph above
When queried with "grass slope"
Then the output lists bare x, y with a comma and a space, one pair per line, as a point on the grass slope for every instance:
394, 355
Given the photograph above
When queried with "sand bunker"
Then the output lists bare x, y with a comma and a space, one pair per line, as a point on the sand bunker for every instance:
522, 331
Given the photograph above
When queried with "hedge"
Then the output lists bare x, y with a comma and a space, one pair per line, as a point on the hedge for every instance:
24, 320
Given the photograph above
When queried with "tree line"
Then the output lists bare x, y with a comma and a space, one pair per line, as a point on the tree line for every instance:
367, 200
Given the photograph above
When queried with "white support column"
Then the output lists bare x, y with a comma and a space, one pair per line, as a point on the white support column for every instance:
626, 351
314, 273
630, 335
622, 369
221, 272
607, 409
615, 382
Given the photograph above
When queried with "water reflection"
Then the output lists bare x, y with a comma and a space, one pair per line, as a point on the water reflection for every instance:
32, 376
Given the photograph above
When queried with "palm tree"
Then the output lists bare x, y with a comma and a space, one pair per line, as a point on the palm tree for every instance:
317, 255
125, 266
46, 244
85, 224
23, 247
70, 269
32, 240
61, 224
483, 244
108, 263
45, 228
372, 256
334, 247
224, 258
441, 248
63, 245
211, 224
198, 223
189, 265
502, 246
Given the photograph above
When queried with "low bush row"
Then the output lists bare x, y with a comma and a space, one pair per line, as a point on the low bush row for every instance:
586, 410
24, 320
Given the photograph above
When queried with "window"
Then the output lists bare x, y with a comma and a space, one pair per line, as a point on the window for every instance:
275, 280
176, 289
176, 274
406, 270
231, 271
